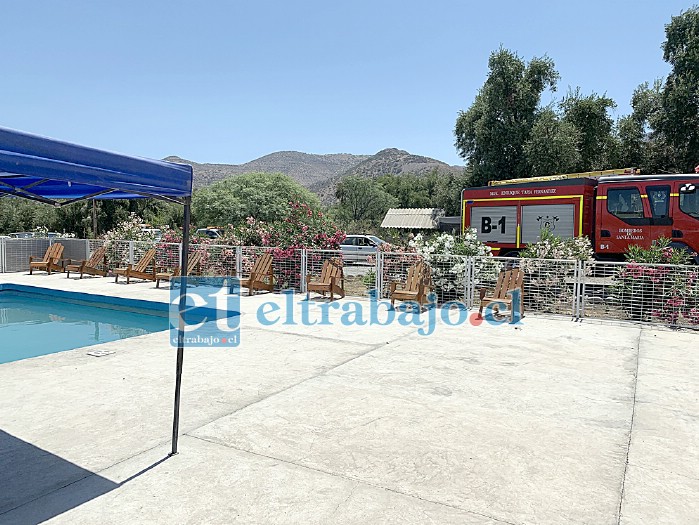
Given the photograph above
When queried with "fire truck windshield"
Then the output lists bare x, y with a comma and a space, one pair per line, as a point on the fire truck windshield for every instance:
689, 203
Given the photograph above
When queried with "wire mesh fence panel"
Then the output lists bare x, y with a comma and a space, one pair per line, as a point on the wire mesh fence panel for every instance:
118, 253
18, 251
549, 285
218, 260
167, 256
74, 249
448, 273
94, 244
315, 259
139, 250
287, 269
394, 269
286, 265
651, 293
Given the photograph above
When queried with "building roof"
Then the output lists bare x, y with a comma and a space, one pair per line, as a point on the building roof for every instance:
413, 218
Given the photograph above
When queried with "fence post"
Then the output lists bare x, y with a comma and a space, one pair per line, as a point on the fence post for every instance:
576, 290
304, 270
468, 282
2, 256
378, 269
131, 252
238, 261
87, 249
179, 255
583, 284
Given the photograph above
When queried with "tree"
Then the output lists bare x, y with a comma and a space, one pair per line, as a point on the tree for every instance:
589, 115
409, 190
264, 196
552, 146
640, 144
362, 199
679, 117
492, 133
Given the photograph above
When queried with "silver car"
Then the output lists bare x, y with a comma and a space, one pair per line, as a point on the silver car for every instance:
358, 248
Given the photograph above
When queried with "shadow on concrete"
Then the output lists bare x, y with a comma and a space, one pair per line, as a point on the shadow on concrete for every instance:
28, 473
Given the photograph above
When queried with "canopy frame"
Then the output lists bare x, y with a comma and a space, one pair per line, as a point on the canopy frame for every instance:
60, 173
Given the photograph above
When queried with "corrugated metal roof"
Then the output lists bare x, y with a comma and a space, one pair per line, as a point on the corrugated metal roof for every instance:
413, 218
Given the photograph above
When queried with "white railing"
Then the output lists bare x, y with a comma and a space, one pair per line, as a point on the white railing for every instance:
648, 293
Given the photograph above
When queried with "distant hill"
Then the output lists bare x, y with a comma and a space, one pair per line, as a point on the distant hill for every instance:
306, 168
320, 173
388, 161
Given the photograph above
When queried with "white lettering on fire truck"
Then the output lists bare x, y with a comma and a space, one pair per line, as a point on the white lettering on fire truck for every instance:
516, 193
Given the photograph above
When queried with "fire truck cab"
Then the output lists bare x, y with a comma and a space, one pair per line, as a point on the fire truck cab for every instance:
615, 208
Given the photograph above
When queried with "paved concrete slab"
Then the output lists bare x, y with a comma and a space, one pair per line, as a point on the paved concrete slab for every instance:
211, 483
662, 481
548, 422
469, 422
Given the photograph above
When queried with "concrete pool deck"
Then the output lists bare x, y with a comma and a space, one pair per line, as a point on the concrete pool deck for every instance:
550, 422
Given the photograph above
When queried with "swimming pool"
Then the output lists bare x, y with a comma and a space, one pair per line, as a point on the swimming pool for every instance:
35, 322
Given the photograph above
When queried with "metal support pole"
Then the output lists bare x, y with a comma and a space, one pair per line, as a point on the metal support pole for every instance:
304, 270
378, 281
184, 260
238, 261
94, 219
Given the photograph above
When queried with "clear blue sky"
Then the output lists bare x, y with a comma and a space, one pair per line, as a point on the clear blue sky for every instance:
231, 81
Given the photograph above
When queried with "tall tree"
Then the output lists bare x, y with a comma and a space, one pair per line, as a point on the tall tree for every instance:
679, 118
552, 146
590, 116
362, 199
640, 144
492, 133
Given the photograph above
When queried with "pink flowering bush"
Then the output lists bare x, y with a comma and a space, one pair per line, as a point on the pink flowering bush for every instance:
302, 228
658, 284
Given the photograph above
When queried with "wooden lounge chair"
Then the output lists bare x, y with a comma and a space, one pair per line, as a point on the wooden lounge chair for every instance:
508, 280
331, 280
140, 270
192, 263
416, 287
92, 265
50, 261
261, 275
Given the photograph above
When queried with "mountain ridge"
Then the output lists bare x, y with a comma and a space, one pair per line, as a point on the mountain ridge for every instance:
320, 172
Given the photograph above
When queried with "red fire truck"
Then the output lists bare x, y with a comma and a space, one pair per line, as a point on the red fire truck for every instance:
615, 208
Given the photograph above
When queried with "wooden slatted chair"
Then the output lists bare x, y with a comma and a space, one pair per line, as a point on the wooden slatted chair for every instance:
261, 275
140, 270
192, 263
416, 287
50, 261
508, 280
332, 279
92, 265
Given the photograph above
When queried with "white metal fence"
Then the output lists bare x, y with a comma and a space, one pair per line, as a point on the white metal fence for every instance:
649, 293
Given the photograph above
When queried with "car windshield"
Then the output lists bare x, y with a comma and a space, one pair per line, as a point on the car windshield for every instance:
376, 239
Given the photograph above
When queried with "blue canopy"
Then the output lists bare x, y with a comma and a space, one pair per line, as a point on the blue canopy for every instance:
56, 172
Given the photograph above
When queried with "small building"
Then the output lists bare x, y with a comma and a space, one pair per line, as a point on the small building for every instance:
413, 218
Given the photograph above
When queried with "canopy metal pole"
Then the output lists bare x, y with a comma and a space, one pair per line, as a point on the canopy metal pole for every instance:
184, 261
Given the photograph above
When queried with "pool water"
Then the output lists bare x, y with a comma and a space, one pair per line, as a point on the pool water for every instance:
32, 324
